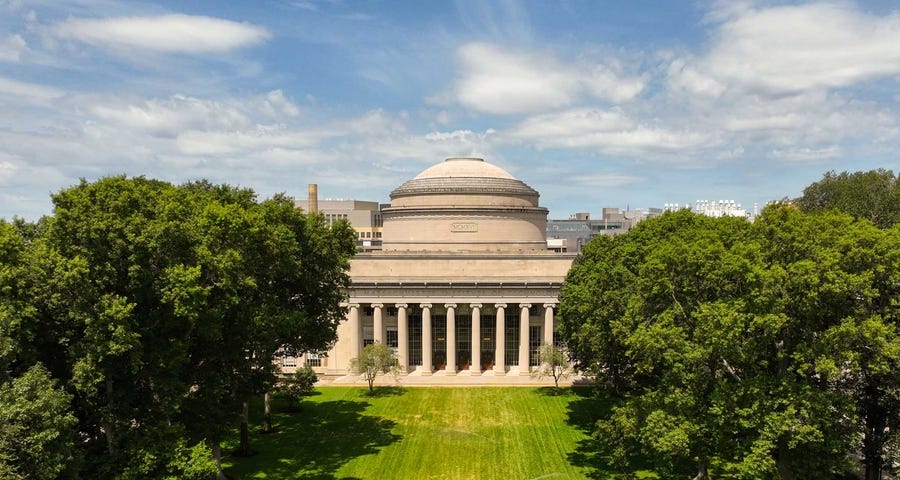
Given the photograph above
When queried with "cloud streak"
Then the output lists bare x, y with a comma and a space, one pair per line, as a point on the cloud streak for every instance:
166, 33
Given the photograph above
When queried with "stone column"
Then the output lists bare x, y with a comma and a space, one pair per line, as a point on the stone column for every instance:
402, 338
426, 339
548, 323
524, 364
451, 338
355, 330
499, 339
378, 322
475, 365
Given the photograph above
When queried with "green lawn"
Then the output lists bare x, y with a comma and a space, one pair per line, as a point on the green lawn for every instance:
416, 433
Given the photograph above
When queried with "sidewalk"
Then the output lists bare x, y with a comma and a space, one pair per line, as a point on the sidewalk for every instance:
440, 379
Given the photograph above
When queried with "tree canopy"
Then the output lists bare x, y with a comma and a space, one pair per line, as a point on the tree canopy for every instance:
873, 195
160, 307
745, 349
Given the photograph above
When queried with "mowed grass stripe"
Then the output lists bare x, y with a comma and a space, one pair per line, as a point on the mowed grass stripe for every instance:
437, 433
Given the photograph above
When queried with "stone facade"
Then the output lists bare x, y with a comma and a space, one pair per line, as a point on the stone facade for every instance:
464, 284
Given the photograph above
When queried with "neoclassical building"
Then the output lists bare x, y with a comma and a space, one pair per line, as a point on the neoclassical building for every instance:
464, 283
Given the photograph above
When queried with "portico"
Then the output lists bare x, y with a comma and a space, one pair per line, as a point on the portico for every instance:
455, 334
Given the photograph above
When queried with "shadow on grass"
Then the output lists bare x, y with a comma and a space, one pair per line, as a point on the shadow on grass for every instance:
583, 413
554, 392
316, 442
592, 453
383, 391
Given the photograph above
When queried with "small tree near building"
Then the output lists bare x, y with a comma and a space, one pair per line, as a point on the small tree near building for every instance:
299, 384
376, 358
554, 364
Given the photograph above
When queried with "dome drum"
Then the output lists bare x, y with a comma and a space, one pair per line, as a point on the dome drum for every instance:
464, 204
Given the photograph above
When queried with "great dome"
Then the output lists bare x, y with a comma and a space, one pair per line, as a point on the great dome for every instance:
464, 204
464, 167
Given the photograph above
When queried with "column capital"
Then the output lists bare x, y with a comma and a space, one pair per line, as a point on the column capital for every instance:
449, 305
351, 305
549, 305
474, 305
401, 305
377, 305
524, 305
425, 305
500, 305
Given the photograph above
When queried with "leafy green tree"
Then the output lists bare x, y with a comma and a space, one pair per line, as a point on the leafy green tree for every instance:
873, 195
160, 307
860, 354
554, 363
710, 329
295, 386
376, 358
37, 433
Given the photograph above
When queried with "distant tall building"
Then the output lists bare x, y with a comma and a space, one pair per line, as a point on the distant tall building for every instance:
363, 216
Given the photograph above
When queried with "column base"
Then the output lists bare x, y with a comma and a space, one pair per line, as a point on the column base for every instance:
516, 371
498, 371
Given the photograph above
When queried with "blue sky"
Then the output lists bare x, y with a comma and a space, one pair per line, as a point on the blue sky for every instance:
594, 104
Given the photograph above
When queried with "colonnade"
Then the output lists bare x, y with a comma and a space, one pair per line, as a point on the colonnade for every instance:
451, 367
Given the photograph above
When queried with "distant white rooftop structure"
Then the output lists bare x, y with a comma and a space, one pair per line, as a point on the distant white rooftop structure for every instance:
720, 208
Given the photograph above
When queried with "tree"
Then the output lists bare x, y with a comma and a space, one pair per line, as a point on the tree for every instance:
37, 432
376, 358
860, 354
296, 385
160, 307
554, 363
709, 330
873, 195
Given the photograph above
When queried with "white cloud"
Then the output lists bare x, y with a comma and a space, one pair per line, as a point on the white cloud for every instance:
275, 105
171, 116
222, 142
40, 93
790, 49
606, 179
807, 155
504, 81
609, 131
165, 33
7, 169
501, 82
605, 83
13, 48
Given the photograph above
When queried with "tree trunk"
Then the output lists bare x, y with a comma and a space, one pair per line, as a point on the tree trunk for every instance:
217, 456
267, 418
873, 441
702, 469
783, 463
108, 424
244, 448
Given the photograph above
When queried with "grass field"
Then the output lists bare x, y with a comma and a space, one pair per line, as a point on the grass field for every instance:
417, 433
